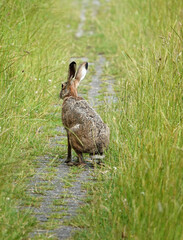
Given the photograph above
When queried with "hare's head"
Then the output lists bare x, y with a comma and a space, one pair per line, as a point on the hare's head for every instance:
69, 88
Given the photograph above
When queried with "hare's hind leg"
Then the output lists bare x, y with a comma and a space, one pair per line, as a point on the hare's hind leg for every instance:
80, 158
69, 150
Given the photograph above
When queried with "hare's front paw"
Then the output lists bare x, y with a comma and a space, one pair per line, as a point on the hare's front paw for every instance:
70, 164
68, 160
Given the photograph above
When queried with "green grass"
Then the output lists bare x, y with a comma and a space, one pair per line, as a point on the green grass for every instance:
35, 49
138, 194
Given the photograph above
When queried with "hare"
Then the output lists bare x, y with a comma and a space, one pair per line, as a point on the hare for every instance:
86, 132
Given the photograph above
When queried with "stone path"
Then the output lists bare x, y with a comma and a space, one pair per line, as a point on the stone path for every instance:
60, 200
58, 186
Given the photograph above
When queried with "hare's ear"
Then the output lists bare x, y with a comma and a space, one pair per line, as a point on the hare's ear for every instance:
72, 71
81, 72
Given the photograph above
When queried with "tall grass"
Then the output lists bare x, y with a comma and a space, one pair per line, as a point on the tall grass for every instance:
139, 192
35, 47
139, 195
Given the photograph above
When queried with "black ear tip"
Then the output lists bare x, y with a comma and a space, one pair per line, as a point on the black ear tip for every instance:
72, 63
86, 65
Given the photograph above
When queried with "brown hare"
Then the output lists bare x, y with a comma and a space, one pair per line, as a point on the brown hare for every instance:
86, 132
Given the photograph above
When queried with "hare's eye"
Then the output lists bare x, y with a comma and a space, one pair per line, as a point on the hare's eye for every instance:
62, 85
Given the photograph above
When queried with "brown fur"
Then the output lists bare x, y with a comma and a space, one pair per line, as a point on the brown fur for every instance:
86, 131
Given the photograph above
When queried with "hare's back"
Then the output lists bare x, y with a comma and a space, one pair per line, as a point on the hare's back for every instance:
78, 111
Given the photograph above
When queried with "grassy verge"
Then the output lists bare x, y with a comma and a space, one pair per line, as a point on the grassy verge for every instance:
139, 193
34, 52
